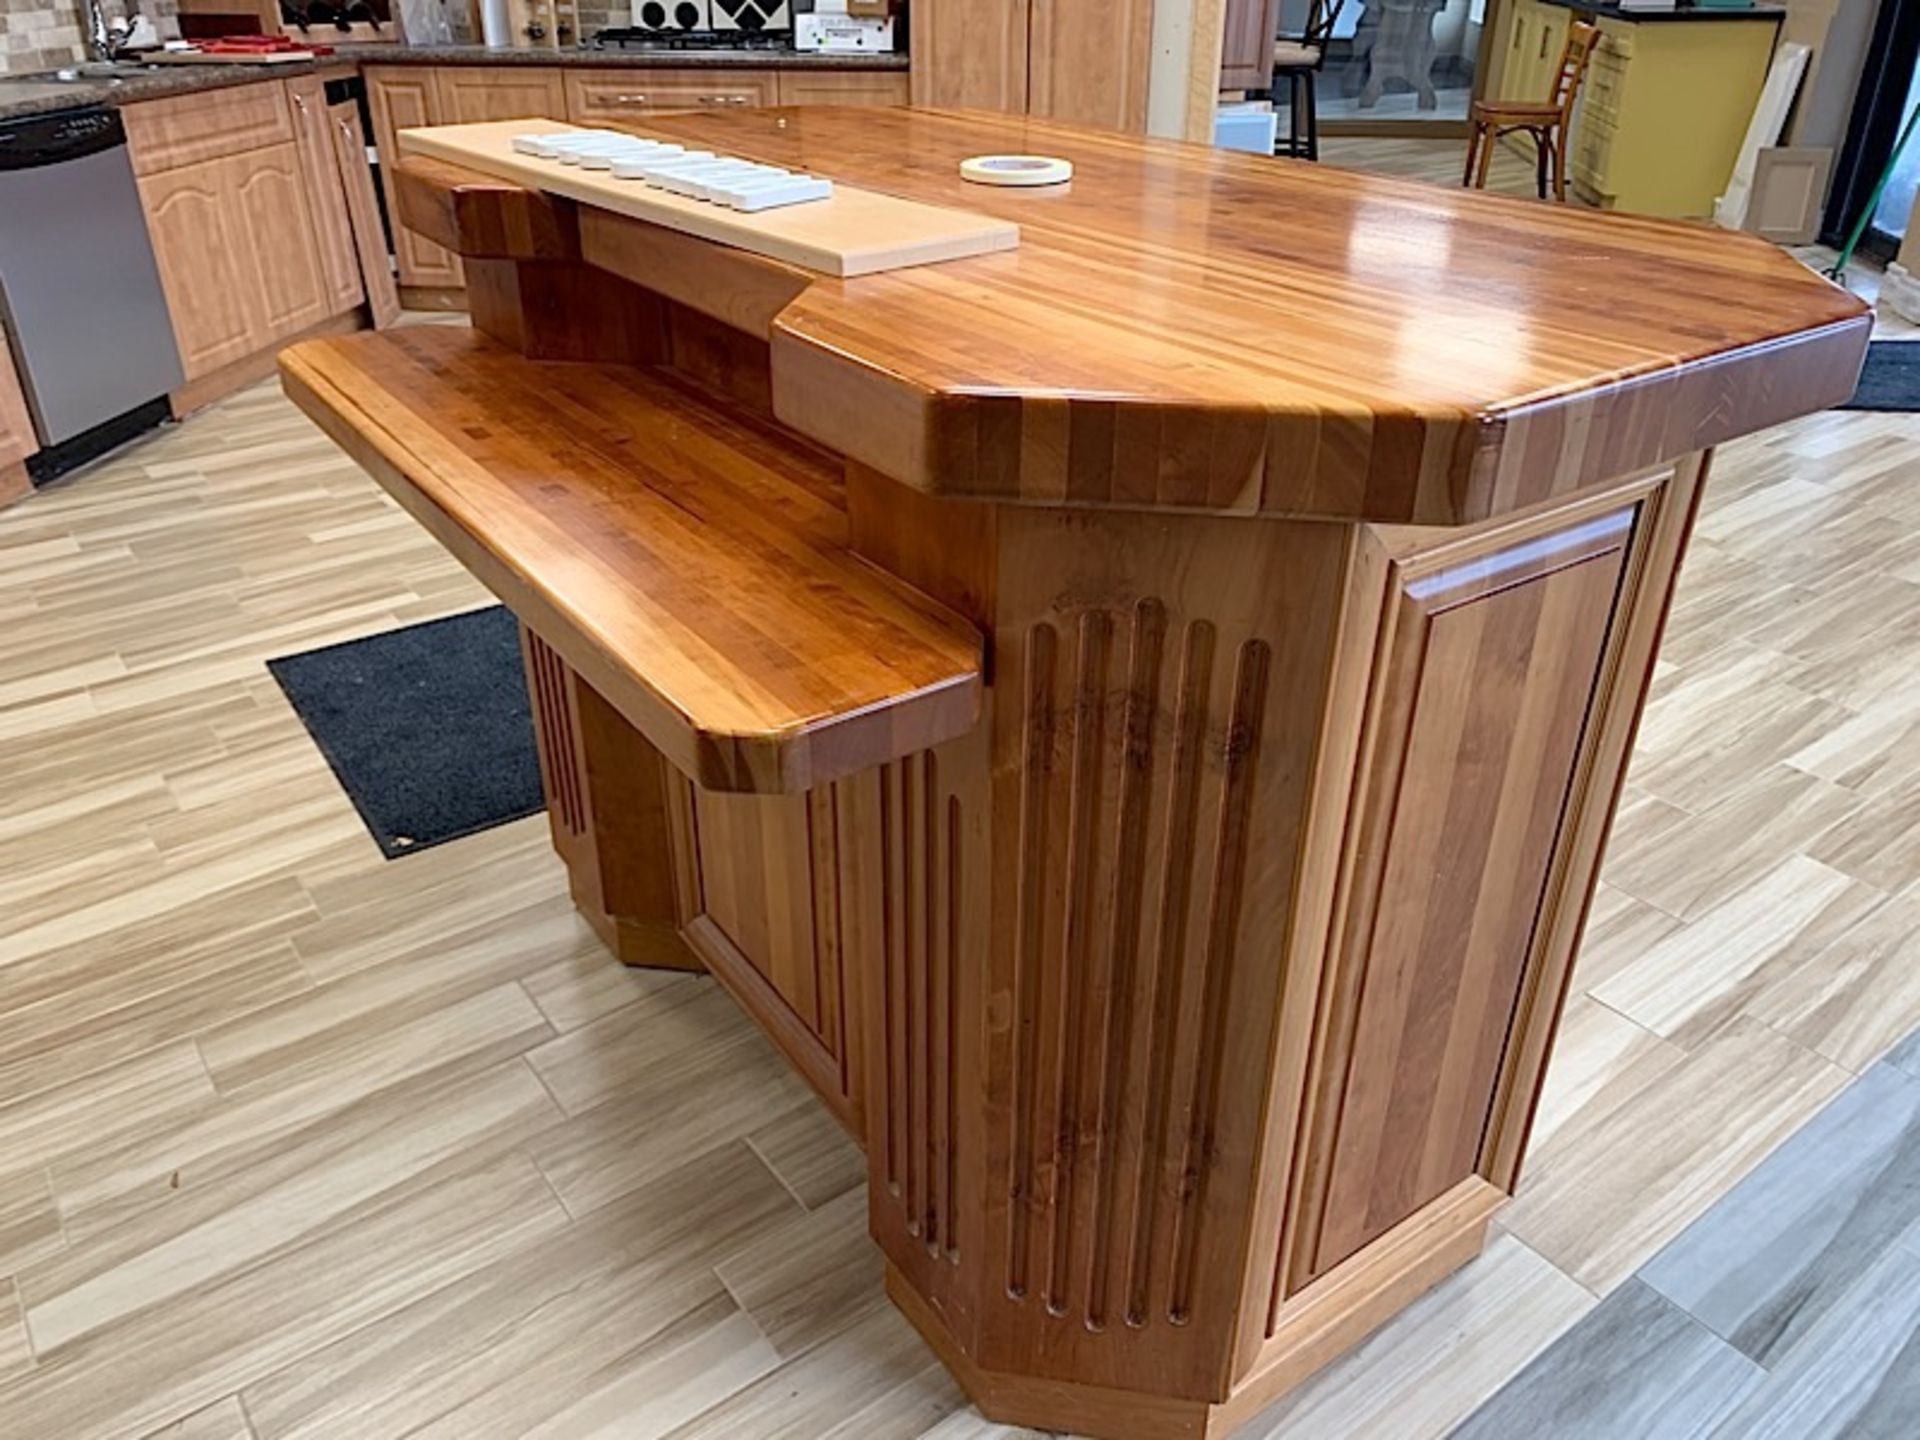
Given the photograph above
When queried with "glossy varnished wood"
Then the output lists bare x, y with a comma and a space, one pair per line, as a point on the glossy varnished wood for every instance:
182, 870
635, 523
1192, 1007
1196, 329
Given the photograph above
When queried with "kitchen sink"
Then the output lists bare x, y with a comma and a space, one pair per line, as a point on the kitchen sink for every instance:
89, 72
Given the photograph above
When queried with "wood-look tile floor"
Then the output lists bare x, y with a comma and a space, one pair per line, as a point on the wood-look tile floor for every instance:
298, 1142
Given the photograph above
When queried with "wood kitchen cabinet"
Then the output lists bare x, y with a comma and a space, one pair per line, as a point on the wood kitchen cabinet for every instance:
326, 196
247, 212
17, 440
465, 94
349, 139
403, 97
1083, 61
605, 98
844, 87
1246, 47
1087, 61
234, 240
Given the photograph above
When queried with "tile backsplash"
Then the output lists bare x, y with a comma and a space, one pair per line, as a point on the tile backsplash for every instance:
46, 34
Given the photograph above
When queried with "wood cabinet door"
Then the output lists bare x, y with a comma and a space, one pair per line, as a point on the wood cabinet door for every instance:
326, 200
602, 98
267, 200
403, 97
466, 94
1492, 662
769, 902
844, 87
1088, 62
17, 440
972, 53
204, 267
349, 140
1246, 51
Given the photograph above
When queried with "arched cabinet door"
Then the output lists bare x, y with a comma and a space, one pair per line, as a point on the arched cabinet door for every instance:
288, 291
205, 274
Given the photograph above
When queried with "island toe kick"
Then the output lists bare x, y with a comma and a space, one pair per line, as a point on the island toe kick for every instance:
1150, 785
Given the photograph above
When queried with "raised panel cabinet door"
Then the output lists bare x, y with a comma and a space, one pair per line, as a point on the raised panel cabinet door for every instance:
465, 94
1088, 62
1246, 52
600, 98
844, 87
1491, 670
349, 141
403, 97
326, 200
769, 883
274, 229
205, 276
971, 54
17, 440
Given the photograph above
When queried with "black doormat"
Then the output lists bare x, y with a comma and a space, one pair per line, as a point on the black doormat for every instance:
428, 729
1891, 380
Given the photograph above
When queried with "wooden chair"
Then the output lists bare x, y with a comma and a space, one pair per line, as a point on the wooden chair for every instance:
1297, 59
1548, 122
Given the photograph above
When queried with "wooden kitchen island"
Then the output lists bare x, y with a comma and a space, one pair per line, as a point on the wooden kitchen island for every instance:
1135, 716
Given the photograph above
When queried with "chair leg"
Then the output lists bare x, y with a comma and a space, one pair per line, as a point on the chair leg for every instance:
1312, 92
1560, 164
1474, 132
1491, 144
1296, 116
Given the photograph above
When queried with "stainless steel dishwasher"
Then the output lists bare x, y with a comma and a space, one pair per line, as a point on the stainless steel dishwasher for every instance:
83, 305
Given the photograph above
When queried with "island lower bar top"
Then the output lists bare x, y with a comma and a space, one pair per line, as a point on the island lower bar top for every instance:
1135, 717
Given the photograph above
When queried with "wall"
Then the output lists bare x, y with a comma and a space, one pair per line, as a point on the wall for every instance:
1840, 32
46, 34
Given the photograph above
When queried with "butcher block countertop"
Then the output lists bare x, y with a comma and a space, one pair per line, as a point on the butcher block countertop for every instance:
1202, 329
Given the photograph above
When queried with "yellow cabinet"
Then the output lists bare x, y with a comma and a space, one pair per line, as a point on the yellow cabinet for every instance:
1665, 104
1664, 111
1538, 35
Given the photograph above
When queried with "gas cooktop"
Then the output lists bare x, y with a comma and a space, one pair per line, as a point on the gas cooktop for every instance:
633, 39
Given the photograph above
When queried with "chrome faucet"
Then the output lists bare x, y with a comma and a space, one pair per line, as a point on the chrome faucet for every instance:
106, 39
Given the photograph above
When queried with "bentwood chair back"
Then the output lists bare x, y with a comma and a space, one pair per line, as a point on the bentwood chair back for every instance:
1548, 123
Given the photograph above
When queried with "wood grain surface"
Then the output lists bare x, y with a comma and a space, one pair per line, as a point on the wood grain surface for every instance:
684, 555
1190, 328
852, 232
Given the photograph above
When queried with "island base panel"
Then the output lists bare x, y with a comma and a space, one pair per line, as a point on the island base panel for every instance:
1190, 1010
610, 799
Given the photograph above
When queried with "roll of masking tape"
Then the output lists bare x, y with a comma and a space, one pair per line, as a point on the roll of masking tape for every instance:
1016, 170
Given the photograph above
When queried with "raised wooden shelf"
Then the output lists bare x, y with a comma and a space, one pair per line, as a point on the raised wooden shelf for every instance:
685, 556
856, 232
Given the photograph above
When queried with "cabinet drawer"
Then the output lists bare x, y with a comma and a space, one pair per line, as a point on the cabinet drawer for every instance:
186, 129
599, 98
843, 87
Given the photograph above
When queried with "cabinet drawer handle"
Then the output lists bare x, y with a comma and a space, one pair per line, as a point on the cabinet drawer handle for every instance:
629, 99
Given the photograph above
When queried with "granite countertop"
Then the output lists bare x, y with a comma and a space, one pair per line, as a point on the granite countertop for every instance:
620, 59
1614, 12
22, 95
